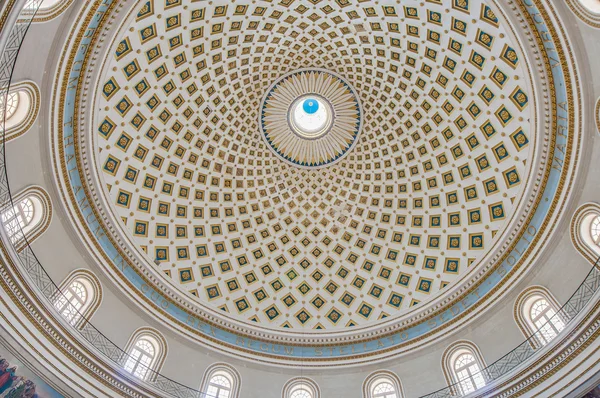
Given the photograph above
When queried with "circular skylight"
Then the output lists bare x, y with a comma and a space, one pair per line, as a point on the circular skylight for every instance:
310, 117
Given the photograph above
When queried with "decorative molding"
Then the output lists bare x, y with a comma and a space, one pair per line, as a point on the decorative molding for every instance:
56, 336
45, 14
29, 96
193, 325
580, 225
584, 13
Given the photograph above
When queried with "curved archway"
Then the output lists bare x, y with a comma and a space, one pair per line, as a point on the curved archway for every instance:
22, 106
462, 364
585, 231
382, 384
586, 10
301, 387
221, 380
49, 9
147, 351
27, 217
80, 296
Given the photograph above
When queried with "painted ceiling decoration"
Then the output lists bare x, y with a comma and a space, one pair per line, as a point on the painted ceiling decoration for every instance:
307, 165
432, 180
310, 118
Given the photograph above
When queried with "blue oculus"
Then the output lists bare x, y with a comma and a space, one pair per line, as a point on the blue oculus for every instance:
310, 106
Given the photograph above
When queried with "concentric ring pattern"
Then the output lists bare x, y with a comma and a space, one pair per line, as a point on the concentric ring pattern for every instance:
433, 177
337, 137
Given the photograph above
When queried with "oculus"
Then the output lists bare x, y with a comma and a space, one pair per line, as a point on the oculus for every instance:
311, 118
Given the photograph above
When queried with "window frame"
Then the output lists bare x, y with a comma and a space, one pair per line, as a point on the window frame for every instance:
298, 383
42, 216
449, 358
227, 371
94, 296
26, 112
581, 231
157, 359
378, 377
526, 322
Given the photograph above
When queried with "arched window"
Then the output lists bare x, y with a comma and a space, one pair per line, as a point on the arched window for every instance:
383, 389
78, 297
537, 315
146, 352
9, 105
463, 364
18, 217
585, 231
48, 10
141, 357
545, 318
221, 381
19, 108
27, 217
595, 230
587, 10
468, 373
301, 387
219, 386
382, 384
591, 5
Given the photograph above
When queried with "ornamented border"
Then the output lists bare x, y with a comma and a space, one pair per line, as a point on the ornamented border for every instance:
583, 13
264, 124
349, 347
32, 91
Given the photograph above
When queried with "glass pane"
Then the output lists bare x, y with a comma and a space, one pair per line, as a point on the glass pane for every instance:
10, 106
140, 358
468, 374
538, 309
384, 390
595, 230
17, 217
220, 381
301, 393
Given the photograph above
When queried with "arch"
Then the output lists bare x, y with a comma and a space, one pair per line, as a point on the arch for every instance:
146, 353
582, 232
49, 9
27, 217
79, 297
463, 364
382, 384
221, 380
301, 387
22, 104
586, 10
537, 309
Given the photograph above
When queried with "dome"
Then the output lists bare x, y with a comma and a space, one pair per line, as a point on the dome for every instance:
331, 196
394, 189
